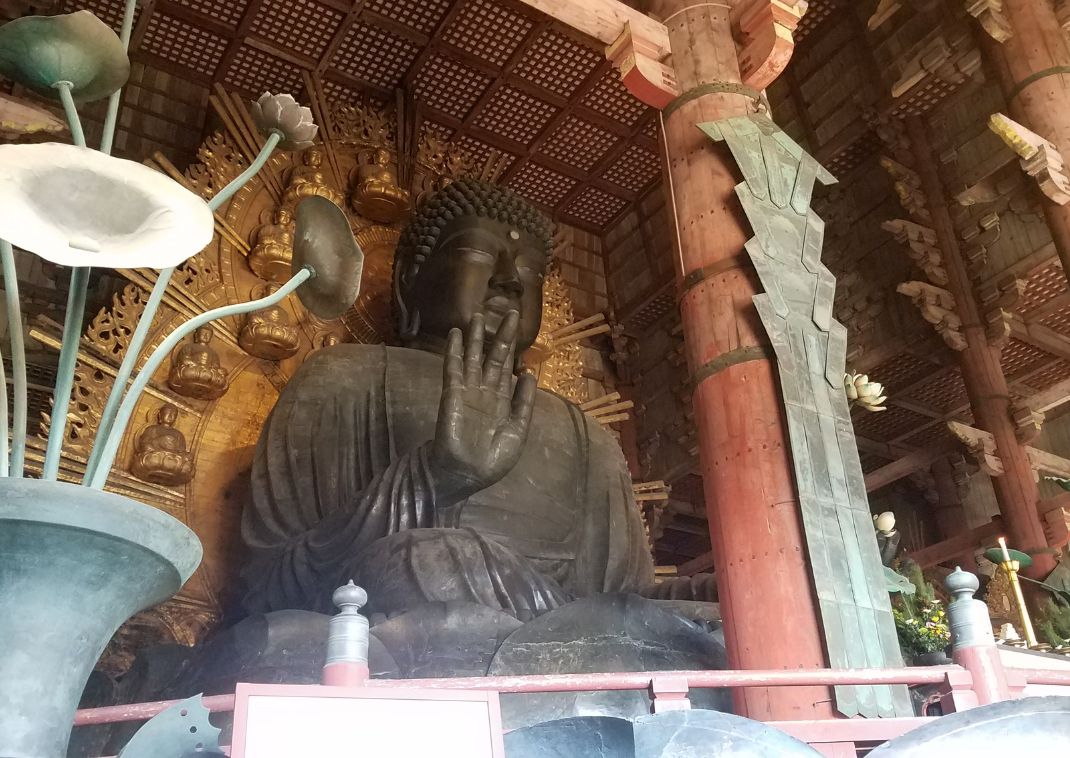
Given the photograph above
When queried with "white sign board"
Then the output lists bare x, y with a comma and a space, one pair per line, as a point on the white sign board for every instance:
284, 721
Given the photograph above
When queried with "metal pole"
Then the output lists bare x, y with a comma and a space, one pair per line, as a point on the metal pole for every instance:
18, 358
111, 120
71, 112
144, 324
126, 409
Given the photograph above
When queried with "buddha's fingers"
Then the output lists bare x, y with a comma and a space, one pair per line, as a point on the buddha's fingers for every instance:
473, 352
500, 352
524, 401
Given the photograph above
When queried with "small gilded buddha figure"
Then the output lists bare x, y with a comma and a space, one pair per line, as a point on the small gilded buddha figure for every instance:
195, 370
268, 333
271, 255
377, 195
160, 454
308, 179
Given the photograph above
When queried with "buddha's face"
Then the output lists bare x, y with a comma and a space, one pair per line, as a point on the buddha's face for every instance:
313, 157
479, 266
168, 415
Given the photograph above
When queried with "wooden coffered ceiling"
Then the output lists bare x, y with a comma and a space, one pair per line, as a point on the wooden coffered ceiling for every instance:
489, 75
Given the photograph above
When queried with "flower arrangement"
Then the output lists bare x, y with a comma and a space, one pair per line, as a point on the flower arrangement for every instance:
926, 632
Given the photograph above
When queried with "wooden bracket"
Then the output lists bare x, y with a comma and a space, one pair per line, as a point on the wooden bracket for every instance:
1039, 157
643, 74
884, 12
977, 237
1027, 423
952, 63
937, 306
765, 28
998, 299
908, 189
990, 15
923, 246
979, 446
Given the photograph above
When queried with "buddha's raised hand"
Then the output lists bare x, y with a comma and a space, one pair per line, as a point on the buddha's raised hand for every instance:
482, 419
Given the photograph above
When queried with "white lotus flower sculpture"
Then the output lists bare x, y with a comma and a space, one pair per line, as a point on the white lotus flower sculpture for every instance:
282, 113
79, 207
864, 393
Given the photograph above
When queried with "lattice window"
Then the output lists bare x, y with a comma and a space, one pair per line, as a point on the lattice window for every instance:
1042, 287
942, 393
1018, 358
579, 143
635, 170
541, 185
108, 11
817, 12
558, 63
228, 12
303, 26
515, 115
488, 30
421, 15
189, 46
1057, 372
480, 151
900, 372
887, 426
255, 71
374, 55
924, 97
609, 98
1059, 321
441, 131
650, 313
596, 207
450, 87
934, 433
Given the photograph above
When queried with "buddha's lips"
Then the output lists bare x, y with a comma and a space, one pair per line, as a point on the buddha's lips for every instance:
499, 305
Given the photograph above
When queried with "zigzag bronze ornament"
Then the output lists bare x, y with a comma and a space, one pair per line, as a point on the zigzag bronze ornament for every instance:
811, 346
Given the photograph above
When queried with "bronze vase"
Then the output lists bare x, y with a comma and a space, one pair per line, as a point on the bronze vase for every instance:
75, 563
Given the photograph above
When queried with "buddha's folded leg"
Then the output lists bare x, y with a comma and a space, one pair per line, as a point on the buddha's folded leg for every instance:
416, 566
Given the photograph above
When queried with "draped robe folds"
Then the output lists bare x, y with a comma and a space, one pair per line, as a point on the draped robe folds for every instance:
343, 461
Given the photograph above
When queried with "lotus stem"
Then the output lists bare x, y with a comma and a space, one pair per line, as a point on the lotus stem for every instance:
126, 368
265, 152
68, 357
111, 120
5, 452
18, 358
141, 333
72, 112
126, 410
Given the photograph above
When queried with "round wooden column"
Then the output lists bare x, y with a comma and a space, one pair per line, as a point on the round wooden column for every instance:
982, 373
1034, 69
763, 580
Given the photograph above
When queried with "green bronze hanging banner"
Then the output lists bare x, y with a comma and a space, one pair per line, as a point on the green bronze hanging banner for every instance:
810, 347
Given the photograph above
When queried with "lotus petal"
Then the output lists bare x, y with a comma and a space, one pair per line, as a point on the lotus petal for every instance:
79, 207
281, 113
38, 51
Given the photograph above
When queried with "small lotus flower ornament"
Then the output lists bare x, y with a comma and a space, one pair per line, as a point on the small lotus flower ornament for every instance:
864, 393
281, 113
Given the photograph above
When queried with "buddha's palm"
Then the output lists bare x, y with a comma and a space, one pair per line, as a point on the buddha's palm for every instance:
482, 419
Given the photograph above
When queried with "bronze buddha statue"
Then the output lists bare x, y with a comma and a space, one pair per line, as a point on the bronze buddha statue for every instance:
271, 255
160, 454
308, 180
268, 333
428, 472
377, 195
195, 370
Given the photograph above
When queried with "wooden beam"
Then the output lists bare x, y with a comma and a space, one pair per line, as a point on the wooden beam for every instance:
1050, 398
698, 565
907, 465
1040, 460
929, 556
604, 20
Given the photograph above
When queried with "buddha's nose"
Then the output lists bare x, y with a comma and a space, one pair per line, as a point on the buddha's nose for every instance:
506, 278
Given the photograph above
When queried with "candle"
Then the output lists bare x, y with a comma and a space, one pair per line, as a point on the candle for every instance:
1003, 547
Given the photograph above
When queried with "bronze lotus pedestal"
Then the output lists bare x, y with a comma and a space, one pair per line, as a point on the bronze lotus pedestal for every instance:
75, 563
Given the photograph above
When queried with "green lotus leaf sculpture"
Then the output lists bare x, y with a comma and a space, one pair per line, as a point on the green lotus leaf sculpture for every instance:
39, 51
995, 555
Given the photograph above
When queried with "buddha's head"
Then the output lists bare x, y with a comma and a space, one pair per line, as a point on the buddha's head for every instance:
167, 415
313, 157
283, 217
471, 248
203, 335
382, 158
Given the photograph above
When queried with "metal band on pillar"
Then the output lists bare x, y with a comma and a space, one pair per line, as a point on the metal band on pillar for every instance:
713, 88
733, 358
347, 639
1033, 78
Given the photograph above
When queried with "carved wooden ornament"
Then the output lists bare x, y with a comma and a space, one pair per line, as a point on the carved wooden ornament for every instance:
1039, 157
